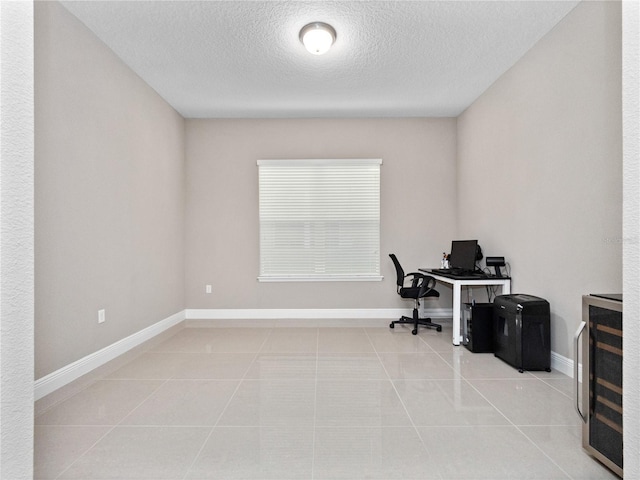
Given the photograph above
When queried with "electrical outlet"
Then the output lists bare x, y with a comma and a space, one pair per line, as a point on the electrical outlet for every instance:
101, 316
207, 288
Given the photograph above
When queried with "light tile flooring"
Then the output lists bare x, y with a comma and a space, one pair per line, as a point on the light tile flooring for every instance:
315, 403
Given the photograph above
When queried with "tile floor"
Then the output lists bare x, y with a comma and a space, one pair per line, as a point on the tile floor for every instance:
315, 403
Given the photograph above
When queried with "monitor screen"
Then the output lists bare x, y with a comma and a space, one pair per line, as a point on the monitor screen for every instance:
463, 254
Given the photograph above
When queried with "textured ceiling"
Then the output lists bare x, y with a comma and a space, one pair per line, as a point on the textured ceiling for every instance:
216, 59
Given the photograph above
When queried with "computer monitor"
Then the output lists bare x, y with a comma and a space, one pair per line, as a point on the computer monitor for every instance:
463, 254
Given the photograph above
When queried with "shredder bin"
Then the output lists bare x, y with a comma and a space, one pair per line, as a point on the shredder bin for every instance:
521, 331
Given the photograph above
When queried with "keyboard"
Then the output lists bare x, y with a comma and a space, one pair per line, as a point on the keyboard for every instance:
459, 273
452, 271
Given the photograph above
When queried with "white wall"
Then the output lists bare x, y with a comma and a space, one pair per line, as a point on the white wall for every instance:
16, 240
540, 166
631, 245
109, 195
222, 248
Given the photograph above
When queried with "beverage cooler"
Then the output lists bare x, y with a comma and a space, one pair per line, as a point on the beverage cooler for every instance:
598, 342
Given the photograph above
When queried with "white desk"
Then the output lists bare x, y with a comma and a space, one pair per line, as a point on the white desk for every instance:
457, 284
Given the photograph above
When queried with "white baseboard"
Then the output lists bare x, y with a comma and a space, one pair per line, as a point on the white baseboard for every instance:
359, 317
331, 317
308, 313
562, 364
276, 317
65, 375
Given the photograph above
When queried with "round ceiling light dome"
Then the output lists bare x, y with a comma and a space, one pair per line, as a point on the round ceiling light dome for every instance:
317, 37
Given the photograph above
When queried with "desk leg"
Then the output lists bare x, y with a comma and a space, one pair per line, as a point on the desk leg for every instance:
456, 314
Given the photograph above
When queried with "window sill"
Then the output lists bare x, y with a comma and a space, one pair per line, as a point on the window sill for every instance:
321, 278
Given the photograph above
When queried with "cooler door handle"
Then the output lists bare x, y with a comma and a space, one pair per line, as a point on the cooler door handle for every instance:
576, 351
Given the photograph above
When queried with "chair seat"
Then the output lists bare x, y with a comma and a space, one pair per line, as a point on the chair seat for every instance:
413, 292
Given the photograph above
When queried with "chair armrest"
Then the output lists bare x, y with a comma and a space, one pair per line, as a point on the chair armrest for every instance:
427, 285
426, 282
415, 278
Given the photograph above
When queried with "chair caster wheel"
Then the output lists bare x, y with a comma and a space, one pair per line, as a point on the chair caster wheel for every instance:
439, 329
414, 331
391, 325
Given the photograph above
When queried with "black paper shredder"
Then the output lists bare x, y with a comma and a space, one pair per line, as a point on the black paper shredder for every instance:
521, 329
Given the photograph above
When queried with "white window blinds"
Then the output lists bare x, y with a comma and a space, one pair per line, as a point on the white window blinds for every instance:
319, 219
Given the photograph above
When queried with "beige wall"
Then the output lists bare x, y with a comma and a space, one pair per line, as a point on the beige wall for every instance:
109, 196
222, 242
540, 166
532, 169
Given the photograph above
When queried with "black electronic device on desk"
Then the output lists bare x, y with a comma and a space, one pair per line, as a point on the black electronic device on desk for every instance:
457, 275
496, 262
462, 263
462, 260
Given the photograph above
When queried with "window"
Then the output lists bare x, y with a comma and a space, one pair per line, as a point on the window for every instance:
319, 219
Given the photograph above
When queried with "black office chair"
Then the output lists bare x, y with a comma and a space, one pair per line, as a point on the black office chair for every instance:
421, 287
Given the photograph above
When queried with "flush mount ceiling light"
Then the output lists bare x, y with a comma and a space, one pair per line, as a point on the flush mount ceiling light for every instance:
317, 37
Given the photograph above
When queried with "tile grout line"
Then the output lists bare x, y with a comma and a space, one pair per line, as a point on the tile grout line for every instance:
533, 377
570, 397
383, 349
113, 427
540, 449
87, 450
315, 406
433, 350
206, 440
517, 427
393, 385
511, 423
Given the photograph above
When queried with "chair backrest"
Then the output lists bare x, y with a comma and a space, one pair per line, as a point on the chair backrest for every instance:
399, 270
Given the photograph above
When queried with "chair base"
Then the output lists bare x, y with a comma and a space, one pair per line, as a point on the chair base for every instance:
426, 322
